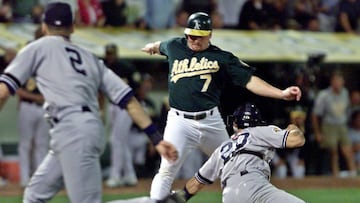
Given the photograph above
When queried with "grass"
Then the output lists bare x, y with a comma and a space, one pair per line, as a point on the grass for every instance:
348, 195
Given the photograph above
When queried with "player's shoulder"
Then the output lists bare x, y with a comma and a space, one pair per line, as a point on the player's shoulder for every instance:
271, 127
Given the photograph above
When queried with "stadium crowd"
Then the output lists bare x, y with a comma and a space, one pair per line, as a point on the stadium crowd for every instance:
309, 15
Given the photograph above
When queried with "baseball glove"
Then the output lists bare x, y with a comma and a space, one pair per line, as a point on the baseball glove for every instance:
177, 196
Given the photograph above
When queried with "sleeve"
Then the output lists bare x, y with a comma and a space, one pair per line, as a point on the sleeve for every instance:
271, 136
210, 170
164, 46
239, 71
21, 68
114, 87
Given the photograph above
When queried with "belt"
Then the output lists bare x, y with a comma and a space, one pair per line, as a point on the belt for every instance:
244, 172
195, 116
244, 151
62, 113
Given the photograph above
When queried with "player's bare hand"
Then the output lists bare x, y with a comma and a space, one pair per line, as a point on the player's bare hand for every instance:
151, 48
291, 93
148, 48
167, 150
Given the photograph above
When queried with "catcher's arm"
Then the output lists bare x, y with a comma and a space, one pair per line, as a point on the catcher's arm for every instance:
192, 186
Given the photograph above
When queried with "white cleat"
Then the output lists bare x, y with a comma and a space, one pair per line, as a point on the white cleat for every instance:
114, 183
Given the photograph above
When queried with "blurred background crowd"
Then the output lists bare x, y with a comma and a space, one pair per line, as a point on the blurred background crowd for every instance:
331, 92
311, 15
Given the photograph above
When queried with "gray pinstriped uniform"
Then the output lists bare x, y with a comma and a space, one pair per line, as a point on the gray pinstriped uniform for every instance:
245, 177
69, 78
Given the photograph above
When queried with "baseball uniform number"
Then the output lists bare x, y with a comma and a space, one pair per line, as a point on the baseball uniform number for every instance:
228, 149
75, 59
207, 79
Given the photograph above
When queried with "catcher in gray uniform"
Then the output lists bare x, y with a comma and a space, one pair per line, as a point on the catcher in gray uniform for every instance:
242, 162
70, 79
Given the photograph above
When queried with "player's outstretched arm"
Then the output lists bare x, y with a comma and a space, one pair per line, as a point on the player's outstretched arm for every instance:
140, 118
23, 94
192, 186
262, 88
152, 48
295, 138
4, 94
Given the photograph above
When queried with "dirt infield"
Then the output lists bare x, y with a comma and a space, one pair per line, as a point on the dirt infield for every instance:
289, 183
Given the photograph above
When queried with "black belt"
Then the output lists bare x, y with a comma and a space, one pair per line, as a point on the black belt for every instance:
195, 117
244, 151
244, 172
83, 109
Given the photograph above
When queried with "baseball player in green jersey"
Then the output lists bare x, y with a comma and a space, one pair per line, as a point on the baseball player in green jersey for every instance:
70, 78
198, 72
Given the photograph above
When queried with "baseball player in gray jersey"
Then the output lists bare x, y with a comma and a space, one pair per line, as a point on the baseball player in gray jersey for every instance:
242, 162
69, 79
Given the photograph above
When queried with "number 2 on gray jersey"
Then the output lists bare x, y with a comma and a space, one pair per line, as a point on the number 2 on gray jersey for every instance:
75, 60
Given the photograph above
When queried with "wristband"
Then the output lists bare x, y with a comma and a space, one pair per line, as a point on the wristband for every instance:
187, 194
153, 133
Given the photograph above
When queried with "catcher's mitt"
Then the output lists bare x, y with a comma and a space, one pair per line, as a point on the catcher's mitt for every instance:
177, 196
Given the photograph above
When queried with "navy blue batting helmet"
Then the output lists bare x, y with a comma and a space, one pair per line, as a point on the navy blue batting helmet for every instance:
247, 115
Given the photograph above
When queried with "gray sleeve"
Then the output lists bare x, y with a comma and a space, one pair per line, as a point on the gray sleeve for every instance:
210, 170
270, 136
21, 68
112, 85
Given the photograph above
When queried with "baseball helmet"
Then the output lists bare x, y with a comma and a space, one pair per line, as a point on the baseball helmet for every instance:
245, 116
198, 24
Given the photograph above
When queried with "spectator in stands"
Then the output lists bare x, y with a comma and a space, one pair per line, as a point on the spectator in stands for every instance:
115, 12
305, 15
192, 6
354, 100
27, 11
160, 14
348, 16
217, 20
230, 11
136, 13
327, 10
91, 13
329, 121
6, 13
278, 15
254, 15
354, 134
181, 17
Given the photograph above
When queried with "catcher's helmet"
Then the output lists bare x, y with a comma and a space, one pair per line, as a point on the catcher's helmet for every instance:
198, 24
245, 116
